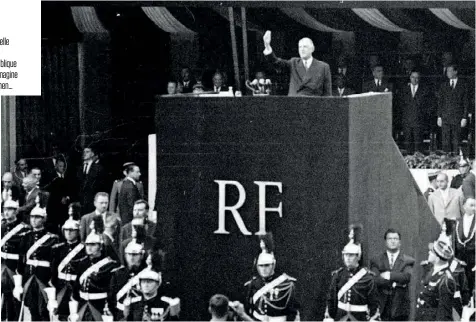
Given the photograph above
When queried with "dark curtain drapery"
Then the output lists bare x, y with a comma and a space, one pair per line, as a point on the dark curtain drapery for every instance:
52, 118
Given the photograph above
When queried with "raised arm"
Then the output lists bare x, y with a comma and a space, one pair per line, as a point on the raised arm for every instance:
269, 54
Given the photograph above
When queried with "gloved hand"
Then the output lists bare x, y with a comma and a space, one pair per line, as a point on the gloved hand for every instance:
17, 292
52, 306
73, 317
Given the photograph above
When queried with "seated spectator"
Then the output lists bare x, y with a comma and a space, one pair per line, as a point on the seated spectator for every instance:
140, 210
172, 88
341, 86
379, 83
187, 81
219, 83
198, 88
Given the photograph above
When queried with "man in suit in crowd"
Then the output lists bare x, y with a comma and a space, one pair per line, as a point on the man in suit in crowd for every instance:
345, 68
187, 81
452, 109
116, 189
308, 76
112, 222
140, 235
172, 88
50, 171
433, 186
91, 178
30, 185
38, 174
57, 207
445, 202
378, 83
341, 86
465, 236
21, 172
393, 271
457, 180
414, 107
141, 210
469, 182
130, 193
219, 83
9, 190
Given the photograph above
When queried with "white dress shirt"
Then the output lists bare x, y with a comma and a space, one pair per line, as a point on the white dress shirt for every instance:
467, 221
130, 179
414, 89
88, 163
453, 82
446, 194
378, 82
307, 62
389, 255
341, 91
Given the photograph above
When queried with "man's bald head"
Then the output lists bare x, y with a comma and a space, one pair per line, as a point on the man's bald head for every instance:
29, 182
470, 206
7, 180
442, 181
306, 48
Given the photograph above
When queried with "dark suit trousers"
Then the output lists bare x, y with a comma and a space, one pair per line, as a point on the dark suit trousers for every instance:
413, 138
450, 136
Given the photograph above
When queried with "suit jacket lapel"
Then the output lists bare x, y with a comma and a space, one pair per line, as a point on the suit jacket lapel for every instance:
386, 262
398, 262
301, 70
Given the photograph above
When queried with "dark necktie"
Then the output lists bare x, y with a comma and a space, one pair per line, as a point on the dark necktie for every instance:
85, 170
392, 261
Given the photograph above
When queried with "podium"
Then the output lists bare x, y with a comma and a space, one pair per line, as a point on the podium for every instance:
336, 162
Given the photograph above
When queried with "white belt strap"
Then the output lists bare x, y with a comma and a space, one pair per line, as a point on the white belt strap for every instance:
11, 233
94, 268
69, 257
92, 296
67, 277
352, 308
351, 282
132, 281
128, 302
457, 294
36, 263
453, 266
269, 287
37, 244
9, 256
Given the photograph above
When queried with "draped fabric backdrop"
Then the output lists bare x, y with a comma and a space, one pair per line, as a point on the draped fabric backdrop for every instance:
53, 117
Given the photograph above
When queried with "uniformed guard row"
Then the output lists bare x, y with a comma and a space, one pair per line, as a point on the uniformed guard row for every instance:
74, 281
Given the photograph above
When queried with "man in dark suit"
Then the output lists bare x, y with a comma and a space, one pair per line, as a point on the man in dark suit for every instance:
219, 83
112, 222
465, 236
130, 193
9, 190
116, 189
452, 109
393, 271
57, 207
379, 83
309, 76
91, 178
21, 172
187, 81
341, 87
141, 210
463, 168
414, 100
469, 183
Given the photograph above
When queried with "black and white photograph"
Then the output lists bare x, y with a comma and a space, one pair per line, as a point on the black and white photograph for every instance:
239, 161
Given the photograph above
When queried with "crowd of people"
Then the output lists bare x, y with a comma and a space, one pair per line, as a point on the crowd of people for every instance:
427, 100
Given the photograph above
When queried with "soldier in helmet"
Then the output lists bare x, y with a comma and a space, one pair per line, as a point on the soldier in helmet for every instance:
94, 276
65, 256
157, 302
124, 281
436, 299
353, 294
12, 230
36, 257
271, 296
433, 186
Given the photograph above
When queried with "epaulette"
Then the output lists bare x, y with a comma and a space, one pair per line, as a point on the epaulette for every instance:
118, 268
371, 272
82, 258
290, 278
424, 263
116, 181
462, 263
58, 245
251, 280
336, 271
24, 233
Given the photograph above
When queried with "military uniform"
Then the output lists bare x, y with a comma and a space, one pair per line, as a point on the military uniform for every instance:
354, 302
157, 308
10, 253
272, 297
428, 192
124, 283
92, 285
65, 256
435, 301
36, 253
462, 293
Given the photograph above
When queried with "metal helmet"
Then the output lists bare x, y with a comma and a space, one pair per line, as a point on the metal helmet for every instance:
12, 204
354, 247
71, 224
38, 211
